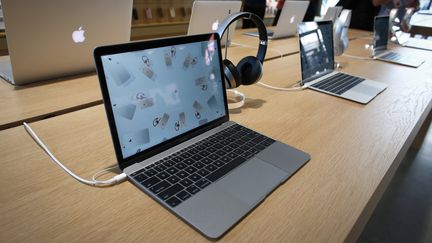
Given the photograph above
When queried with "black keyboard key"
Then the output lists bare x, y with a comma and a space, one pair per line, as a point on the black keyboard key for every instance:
180, 166
211, 167
186, 182
177, 159
150, 181
160, 167
188, 161
194, 177
150, 172
225, 169
171, 191
163, 175
220, 152
168, 163
183, 195
202, 183
193, 189
204, 153
159, 187
140, 177
182, 174
214, 156
206, 161
191, 169
226, 159
218, 163
196, 157
173, 201
203, 172
138, 172
173, 179
172, 170
199, 165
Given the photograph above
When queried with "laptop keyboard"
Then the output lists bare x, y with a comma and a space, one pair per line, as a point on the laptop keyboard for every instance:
392, 56
338, 83
175, 178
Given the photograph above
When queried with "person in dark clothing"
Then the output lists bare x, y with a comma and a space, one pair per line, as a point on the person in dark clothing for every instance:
257, 7
363, 13
279, 6
312, 10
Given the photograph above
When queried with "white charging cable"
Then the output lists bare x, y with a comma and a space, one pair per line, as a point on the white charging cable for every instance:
115, 180
293, 88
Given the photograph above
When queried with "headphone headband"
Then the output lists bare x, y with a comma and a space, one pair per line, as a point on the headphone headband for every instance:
262, 30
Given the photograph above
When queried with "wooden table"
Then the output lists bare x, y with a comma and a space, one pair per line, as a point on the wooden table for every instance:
355, 151
44, 99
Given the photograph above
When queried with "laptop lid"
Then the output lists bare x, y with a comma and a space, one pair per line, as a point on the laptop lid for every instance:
332, 13
381, 33
292, 14
207, 15
160, 93
316, 49
54, 38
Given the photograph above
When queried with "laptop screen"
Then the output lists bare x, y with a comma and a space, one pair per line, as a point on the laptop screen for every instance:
381, 30
160, 93
316, 48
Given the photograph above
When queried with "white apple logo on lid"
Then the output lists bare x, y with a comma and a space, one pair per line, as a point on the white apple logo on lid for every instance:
292, 19
215, 25
78, 35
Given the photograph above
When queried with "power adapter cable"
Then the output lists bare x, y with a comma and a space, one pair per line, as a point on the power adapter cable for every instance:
96, 183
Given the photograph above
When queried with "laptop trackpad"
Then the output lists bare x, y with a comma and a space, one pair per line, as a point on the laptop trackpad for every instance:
252, 181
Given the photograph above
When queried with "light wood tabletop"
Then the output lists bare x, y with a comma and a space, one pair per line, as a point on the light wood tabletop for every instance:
355, 151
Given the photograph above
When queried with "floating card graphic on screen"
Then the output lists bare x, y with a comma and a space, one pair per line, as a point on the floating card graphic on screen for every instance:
136, 138
142, 100
212, 103
189, 61
161, 121
148, 72
119, 74
201, 83
198, 109
181, 121
126, 111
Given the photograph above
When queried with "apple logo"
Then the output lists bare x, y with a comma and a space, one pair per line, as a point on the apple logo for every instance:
78, 35
215, 25
292, 19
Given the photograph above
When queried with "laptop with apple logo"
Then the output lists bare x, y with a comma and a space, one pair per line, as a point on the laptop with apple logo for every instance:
56, 38
292, 13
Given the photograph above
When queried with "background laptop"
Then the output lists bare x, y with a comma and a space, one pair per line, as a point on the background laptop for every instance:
292, 13
380, 51
317, 66
332, 13
167, 110
207, 15
45, 40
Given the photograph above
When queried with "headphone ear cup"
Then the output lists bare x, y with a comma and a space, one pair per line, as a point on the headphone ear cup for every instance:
250, 70
232, 76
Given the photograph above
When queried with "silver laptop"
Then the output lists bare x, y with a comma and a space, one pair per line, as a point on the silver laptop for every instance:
317, 66
51, 38
167, 110
207, 15
380, 51
292, 13
332, 13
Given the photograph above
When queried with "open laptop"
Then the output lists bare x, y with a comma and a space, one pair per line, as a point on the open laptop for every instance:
50, 38
380, 51
292, 13
167, 110
317, 66
332, 13
207, 15
403, 38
